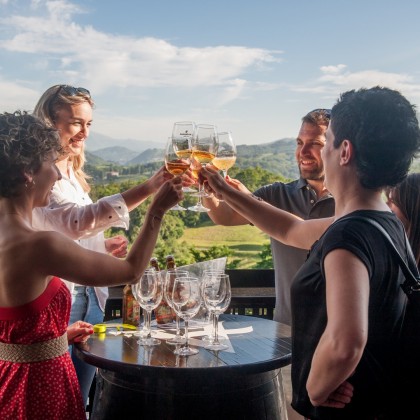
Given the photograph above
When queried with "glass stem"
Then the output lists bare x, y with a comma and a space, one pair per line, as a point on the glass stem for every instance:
186, 332
216, 329
149, 321
178, 326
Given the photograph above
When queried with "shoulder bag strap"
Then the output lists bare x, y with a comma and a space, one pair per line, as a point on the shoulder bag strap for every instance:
411, 283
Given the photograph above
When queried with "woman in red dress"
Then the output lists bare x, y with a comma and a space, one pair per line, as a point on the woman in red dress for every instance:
37, 377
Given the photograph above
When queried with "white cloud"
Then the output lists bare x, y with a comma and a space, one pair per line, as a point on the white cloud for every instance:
337, 79
106, 60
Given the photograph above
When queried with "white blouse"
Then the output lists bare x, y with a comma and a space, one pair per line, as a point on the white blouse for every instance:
72, 212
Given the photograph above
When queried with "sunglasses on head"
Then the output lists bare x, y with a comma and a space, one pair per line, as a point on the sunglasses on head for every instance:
325, 111
73, 91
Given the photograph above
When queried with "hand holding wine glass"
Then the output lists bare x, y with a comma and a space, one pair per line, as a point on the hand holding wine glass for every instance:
148, 292
186, 298
176, 163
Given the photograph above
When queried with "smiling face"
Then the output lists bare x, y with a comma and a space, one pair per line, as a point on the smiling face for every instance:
73, 123
45, 179
309, 144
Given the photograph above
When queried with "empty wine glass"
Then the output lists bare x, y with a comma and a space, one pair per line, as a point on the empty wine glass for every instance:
204, 149
226, 152
182, 135
217, 296
148, 293
186, 298
176, 163
206, 274
170, 276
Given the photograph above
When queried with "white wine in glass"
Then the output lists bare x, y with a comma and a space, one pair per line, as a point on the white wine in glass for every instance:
204, 149
226, 152
182, 135
176, 164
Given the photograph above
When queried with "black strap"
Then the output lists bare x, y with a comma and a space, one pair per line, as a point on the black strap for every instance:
412, 282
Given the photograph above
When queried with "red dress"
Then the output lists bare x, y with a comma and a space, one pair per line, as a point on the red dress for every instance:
39, 390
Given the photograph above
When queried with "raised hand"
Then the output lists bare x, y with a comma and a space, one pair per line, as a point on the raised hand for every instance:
169, 194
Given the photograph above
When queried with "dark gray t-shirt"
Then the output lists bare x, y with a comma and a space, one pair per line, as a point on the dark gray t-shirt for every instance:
299, 198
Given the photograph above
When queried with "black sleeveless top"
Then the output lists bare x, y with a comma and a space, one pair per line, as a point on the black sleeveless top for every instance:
373, 377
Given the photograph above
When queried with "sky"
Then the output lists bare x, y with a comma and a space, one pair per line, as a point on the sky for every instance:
250, 67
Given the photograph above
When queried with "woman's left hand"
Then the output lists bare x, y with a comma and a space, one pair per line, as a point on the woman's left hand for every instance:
79, 332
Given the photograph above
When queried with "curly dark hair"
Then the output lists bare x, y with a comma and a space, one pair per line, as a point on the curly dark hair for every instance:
25, 142
383, 128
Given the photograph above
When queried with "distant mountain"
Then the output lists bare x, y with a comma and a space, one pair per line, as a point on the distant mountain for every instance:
98, 141
116, 154
149, 155
94, 160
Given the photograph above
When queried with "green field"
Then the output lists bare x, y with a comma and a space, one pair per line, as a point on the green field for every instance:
245, 241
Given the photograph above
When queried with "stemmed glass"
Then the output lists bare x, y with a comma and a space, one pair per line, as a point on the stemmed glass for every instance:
176, 163
168, 290
217, 296
206, 274
148, 292
182, 135
186, 298
226, 152
204, 149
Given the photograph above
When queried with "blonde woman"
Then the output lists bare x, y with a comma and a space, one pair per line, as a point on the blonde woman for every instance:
71, 210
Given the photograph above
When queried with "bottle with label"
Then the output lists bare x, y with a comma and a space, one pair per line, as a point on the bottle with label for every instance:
164, 313
130, 307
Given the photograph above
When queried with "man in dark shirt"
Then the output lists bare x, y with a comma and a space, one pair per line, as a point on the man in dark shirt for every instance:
305, 197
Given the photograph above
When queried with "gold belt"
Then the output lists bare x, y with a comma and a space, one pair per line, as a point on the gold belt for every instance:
35, 352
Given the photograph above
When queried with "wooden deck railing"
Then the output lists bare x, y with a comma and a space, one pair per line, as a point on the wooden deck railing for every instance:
253, 293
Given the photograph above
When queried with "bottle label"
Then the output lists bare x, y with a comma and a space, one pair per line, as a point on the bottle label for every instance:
131, 311
164, 313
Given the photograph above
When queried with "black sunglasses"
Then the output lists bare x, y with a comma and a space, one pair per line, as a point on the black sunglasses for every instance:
73, 91
325, 111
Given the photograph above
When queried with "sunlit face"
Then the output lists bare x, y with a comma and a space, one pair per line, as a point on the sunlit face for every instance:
73, 123
309, 144
45, 179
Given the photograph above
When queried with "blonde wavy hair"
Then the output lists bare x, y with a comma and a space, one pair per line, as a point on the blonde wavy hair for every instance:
51, 102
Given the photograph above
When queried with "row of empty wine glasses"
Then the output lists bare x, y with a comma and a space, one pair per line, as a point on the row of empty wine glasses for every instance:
184, 294
193, 146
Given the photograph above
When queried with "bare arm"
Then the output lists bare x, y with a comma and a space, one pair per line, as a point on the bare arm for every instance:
136, 195
343, 341
62, 257
279, 224
220, 212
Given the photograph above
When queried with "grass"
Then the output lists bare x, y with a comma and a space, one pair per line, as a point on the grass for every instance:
245, 241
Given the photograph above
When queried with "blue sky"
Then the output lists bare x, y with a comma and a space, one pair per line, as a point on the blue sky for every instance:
251, 67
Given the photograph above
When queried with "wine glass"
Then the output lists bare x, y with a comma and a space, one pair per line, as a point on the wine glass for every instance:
204, 149
171, 274
226, 152
217, 296
206, 274
186, 298
182, 135
177, 162
148, 292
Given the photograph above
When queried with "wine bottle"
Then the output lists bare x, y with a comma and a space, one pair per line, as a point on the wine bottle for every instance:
130, 307
164, 313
